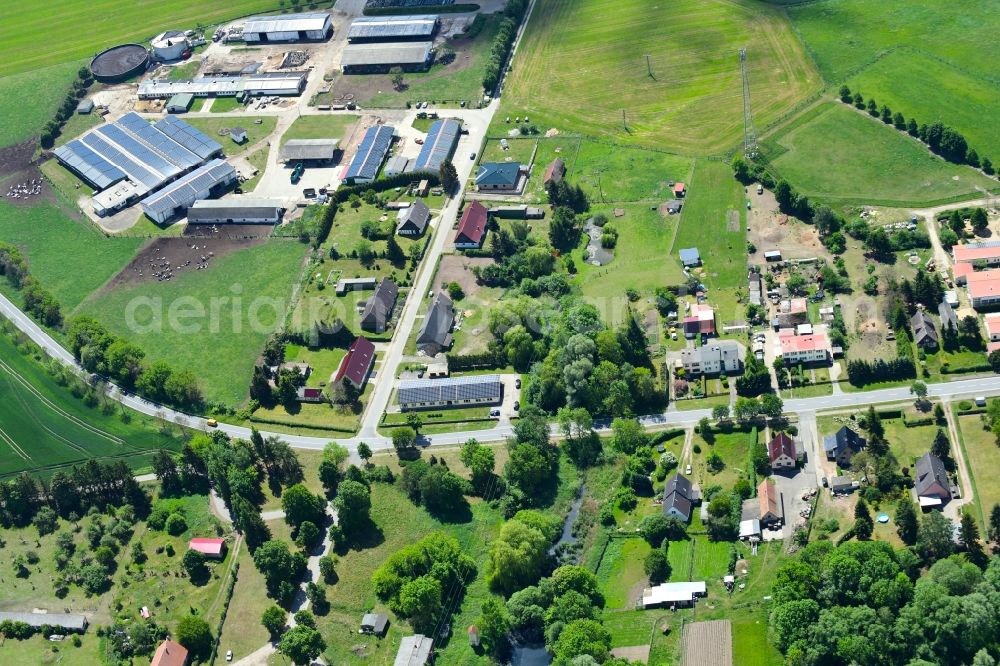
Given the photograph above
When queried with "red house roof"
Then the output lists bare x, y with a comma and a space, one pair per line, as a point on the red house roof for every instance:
207, 546
680, 188
780, 444
170, 653
358, 361
472, 225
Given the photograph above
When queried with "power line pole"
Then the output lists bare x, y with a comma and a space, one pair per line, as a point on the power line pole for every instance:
749, 132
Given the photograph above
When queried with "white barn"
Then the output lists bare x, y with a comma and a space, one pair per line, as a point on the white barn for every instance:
287, 28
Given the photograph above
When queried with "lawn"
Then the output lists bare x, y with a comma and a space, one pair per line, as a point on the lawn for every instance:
835, 153
67, 255
320, 127
242, 631
621, 574
222, 348
107, 22
712, 221
750, 644
77, 124
226, 104
43, 427
29, 100
927, 89
909, 444
185, 71
733, 448
583, 61
39, 650
255, 133
983, 459
610, 173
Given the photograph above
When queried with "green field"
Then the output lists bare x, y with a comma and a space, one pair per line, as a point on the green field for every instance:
835, 153
610, 173
255, 133
222, 358
107, 22
929, 90
320, 127
28, 101
43, 427
68, 256
621, 571
582, 61
982, 456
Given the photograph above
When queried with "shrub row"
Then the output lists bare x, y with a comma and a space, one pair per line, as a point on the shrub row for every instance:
861, 373
513, 14
76, 92
38, 301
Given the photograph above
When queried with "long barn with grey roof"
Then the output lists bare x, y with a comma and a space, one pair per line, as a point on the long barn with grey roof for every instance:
371, 154
288, 28
442, 139
392, 28
62, 621
177, 197
237, 210
451, 392
365, 58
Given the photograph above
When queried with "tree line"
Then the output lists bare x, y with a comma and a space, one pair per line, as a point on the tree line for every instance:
513, 14
77, 91
38, 301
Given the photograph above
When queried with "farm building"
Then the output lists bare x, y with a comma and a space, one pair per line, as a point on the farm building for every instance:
236, 210
924, 333
442, 139
378, 310
986, 253
519, 212
396, 165
842, 445
679, 495
781, 452
180, 103
451, 392
498, 176
415, 28
554, 172
120, 62
63, 621
309, 150
256, 85
472, 227
792, 312
699, 321
415, 650
770, 503
371, 154
690, 257
930, 482
369, 58
357, 363
412, 220
374, 624
435, 334
673, 594
168, 46
211, 548
129, 158
712, 359
355, 284
174, 199
238, 135
750, 529
287, 28
169, 653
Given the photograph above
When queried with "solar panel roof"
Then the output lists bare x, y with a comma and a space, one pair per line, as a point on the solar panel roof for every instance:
439, 145
135, 169
140, 151
185, 191
93, 168
159, 141
192, 139
371, 152
476, 387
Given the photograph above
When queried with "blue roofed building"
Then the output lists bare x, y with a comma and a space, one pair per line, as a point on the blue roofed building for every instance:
204, 182
498, 176
690, 257
371, 154
442, 139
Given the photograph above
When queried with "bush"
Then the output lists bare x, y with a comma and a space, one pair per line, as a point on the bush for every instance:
175, 524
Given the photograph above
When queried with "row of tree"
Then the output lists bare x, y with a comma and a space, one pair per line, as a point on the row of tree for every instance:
38, 301
513, 14
78, 89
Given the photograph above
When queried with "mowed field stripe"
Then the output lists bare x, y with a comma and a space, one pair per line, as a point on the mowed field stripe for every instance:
9, 441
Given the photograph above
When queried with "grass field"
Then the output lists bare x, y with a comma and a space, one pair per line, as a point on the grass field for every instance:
255, 132
983, 459
44, 427
221, 358
319, 127
30, 100
621, 572
712, 221
941, 91
733, 448
610, 173
750, 644
107, 22
582, 61
835, 153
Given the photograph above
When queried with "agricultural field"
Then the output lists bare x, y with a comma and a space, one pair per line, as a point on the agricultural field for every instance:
121, 21
221, 354
45, 427
867, 163
689, 98
28, 101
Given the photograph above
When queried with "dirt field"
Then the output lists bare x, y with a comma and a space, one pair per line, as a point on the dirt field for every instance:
23, 184
164, 258
633, 653
771, 230
707, 644
457, 268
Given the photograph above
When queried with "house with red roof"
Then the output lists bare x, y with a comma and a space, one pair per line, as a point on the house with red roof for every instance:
811, 348
680, 189
170, 653
987, 254
357, 364
984, 288
992, 322
770, 503
554, 172
214, 549
781, 452
700, 320
472, 227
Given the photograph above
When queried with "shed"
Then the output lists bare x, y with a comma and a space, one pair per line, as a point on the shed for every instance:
554, 172
680, 189
238, 135
374, 623
690, 257
749, 528
85, 106
396, 165
671, 594
62, 621
772, 255
673, 207
211, 548
180, 103
414, 651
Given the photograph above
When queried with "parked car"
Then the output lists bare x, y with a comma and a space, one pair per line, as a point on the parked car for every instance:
826, 484
517, 405
229, 655
517, 383
495, 412
687, 470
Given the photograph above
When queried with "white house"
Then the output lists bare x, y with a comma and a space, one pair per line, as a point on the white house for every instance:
712, 359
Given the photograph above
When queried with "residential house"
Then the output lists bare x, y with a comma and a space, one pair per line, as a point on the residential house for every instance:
984, 288
356, 364
770, 503
679, 495
415, 651
412, 221
781, 452
374, 624
170, 653
930, 482
700, 320
378, 310
948, 317
498, 176
214, 549
842, 445
472, 227
992, 321
690, 257
923, 330
797, 349
554, 172
722, 356
435, 334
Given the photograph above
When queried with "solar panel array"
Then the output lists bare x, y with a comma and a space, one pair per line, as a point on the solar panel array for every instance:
187, 136
371, 153
388, 27
442, 138
89, 165
455, 389
185, 191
